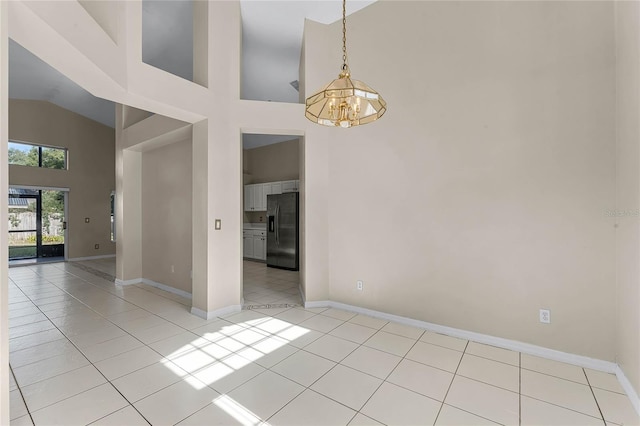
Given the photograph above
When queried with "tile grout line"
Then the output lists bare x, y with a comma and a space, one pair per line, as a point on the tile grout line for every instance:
594, 397
90, 363
452, 379
21, 396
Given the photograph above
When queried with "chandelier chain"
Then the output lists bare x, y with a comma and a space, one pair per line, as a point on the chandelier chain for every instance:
344, 35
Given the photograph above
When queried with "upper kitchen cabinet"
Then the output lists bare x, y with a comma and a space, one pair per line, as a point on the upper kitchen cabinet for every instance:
255, 195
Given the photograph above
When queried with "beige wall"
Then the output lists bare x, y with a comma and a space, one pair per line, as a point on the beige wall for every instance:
628, 189
90, 176
478, 198
271, 163
166, 215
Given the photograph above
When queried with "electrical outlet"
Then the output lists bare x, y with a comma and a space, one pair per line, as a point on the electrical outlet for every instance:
545, 316
97, 246
173, 269
359, 285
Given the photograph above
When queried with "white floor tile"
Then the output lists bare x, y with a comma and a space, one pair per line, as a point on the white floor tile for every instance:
403, 330
362, 420
127, 362
265, 394
174, 403
444, 340
560, 392
490, 402
368, 321
55, 389
393, 405
83, 408
495, 373
451, 416
494, 353
156, 333
24, 342
353, 332
339, 314
312, 409
331, 347
391, 343
347, 386
435, 356
142, 383
535, 413
606, 381
111, 348
21, 421
303, 367
49, 367
321, 323
127, 416
40, 352
17, 408
554, 368
372, 361
223, 411
226, 375
616, 408
421, 378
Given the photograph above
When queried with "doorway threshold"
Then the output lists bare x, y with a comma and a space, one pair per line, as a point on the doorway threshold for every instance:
35, 261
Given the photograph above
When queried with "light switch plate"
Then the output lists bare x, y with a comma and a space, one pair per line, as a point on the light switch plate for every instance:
218, 224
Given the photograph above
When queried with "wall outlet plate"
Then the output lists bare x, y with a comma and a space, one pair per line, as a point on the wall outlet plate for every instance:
545, 316
359, 285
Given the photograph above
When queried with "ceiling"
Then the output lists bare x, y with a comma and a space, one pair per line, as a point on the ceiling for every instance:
271, 44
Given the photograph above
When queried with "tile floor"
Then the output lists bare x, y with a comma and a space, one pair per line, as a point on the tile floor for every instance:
84, 351
270, 287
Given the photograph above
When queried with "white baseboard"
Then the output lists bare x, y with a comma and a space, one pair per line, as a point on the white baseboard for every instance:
128, 282
167, 288
104, 256
217, 313
514, 345
628, 388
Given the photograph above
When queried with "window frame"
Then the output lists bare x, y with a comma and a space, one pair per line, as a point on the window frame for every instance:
40, 147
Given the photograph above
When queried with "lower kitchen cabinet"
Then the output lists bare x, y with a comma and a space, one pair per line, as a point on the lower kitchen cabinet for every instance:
255, 244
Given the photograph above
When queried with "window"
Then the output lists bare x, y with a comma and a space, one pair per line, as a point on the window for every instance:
23, 154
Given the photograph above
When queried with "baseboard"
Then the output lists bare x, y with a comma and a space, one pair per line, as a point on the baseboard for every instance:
167, 288
128, 282
78, 259
217, 313
514, 345
628, 388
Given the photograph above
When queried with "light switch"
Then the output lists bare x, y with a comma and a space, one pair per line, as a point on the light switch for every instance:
218, 224
86, 220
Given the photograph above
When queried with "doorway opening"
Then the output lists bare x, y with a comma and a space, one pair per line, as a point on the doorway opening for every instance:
37, 224
273, 188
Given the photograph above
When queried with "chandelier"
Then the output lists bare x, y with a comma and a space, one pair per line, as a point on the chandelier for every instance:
345, 102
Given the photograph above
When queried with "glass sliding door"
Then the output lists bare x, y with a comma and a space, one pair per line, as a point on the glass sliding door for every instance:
36, 223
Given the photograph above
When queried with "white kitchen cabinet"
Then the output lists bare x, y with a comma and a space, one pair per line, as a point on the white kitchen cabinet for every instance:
255, 244
289, 186
260, 245
255, 195
247, 239
276, 187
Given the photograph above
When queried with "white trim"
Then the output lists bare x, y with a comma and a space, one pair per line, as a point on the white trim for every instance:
103, 256
628, 389
514, 345
167, 288
128, 282
302, 294
217, 313
39, 187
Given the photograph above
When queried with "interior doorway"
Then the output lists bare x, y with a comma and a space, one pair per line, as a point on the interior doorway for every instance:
272, 232
37, 224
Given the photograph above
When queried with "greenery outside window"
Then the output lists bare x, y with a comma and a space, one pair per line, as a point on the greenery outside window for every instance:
47, 157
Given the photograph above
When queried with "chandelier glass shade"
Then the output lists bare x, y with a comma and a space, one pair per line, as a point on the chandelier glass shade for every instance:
345, 102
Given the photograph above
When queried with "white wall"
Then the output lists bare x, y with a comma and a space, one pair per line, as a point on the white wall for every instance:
479, 197
628, 190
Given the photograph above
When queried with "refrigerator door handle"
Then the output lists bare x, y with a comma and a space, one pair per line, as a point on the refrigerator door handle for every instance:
277, 223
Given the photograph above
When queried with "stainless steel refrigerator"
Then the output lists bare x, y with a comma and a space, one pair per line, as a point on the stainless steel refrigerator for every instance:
282, 231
